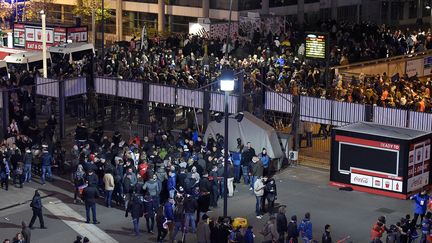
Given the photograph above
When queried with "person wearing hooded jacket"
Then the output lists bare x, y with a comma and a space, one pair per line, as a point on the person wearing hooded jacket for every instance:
36, 205
136, 209
292, 230
270, 194
281, 224
305, 229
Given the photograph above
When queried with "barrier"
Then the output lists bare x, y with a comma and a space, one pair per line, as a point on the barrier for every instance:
420, 121
315, 110
162, 94
47, 87
190, 98
129, 89
75, 86
390, 116
106, 86
279, 102
345, 113
217, 102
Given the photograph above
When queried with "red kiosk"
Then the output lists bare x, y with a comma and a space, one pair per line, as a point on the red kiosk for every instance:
378, 159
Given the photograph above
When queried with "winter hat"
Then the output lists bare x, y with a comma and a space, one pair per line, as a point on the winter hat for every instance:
204, 217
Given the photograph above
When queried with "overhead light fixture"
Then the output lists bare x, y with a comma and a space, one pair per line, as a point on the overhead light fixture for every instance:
227, 80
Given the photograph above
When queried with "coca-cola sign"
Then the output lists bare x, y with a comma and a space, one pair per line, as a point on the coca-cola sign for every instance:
362, 180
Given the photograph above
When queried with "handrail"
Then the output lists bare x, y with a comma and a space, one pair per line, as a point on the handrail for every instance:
383, 60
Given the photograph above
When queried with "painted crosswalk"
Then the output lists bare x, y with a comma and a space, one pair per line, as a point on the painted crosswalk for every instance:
76, 222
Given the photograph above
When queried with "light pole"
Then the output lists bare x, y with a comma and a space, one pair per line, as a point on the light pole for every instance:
429, 7
226, 85
44, 49
103, 28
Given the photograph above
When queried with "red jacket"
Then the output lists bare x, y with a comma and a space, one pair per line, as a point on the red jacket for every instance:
377, 231
142, 170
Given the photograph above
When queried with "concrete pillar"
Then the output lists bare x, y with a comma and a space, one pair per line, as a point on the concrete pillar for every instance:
419, 9
265, 8
358, 13
300, 12
334, 11
119, 20
389, 7
161, 15
205, 8
405, 10
62, 13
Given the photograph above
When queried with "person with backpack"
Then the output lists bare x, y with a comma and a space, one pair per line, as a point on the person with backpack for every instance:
292, 230
305, 229
270, 231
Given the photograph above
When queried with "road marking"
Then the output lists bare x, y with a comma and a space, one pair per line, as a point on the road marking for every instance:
64, 212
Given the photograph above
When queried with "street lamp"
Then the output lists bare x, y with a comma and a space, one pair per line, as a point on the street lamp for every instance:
428, 6
226, 85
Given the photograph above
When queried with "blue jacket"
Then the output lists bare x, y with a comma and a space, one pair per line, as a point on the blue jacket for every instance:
46, 159
236, 157
420, 203
265, 159
305, 229
426, 226
169, 211
172, 181
248, 236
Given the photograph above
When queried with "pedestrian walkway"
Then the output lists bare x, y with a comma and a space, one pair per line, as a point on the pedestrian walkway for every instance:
75, 221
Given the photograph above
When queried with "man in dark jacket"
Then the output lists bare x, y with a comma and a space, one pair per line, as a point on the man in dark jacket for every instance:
205, 189
90, 194
190, 206
92, 178
136, 209
292, 230
36, 205
281, 224
246, 159
326, 237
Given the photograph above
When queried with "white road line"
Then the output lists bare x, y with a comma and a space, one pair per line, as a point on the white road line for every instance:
92, 232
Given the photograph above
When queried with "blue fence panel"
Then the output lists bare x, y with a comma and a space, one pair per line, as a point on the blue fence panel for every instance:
129, 89
75, 86
162, 94
278, 102
217, 102
389, 116
315, 110
420, 121
190, 98
344, 113
105, 86
47, 87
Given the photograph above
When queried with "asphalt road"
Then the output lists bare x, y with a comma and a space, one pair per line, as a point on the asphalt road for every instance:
301, 189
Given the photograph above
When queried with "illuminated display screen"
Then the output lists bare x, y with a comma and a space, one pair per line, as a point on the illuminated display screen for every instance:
315, 46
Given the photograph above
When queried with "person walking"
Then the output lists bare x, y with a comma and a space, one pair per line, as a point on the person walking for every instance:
236, 158
420, 205
179, 219
160, 224
108, 180
230, 179
169, 215
90, 194
136, 209
308, 128
246, 159
305, 229
281, 224
292, 230
326, 237
79, 181
203, 230
36, 205
249, 235
256, 170
259, 192
26, 232
154, 187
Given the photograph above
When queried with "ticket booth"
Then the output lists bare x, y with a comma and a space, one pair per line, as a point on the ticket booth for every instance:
379, 159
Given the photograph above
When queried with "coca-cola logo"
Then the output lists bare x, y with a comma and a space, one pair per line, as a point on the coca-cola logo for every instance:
362, 180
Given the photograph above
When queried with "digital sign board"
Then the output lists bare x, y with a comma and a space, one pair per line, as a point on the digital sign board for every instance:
316, 46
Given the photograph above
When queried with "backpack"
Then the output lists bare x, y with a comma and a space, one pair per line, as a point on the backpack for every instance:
178, 211
265, 230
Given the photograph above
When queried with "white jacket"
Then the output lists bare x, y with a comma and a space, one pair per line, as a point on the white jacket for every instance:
259, 188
